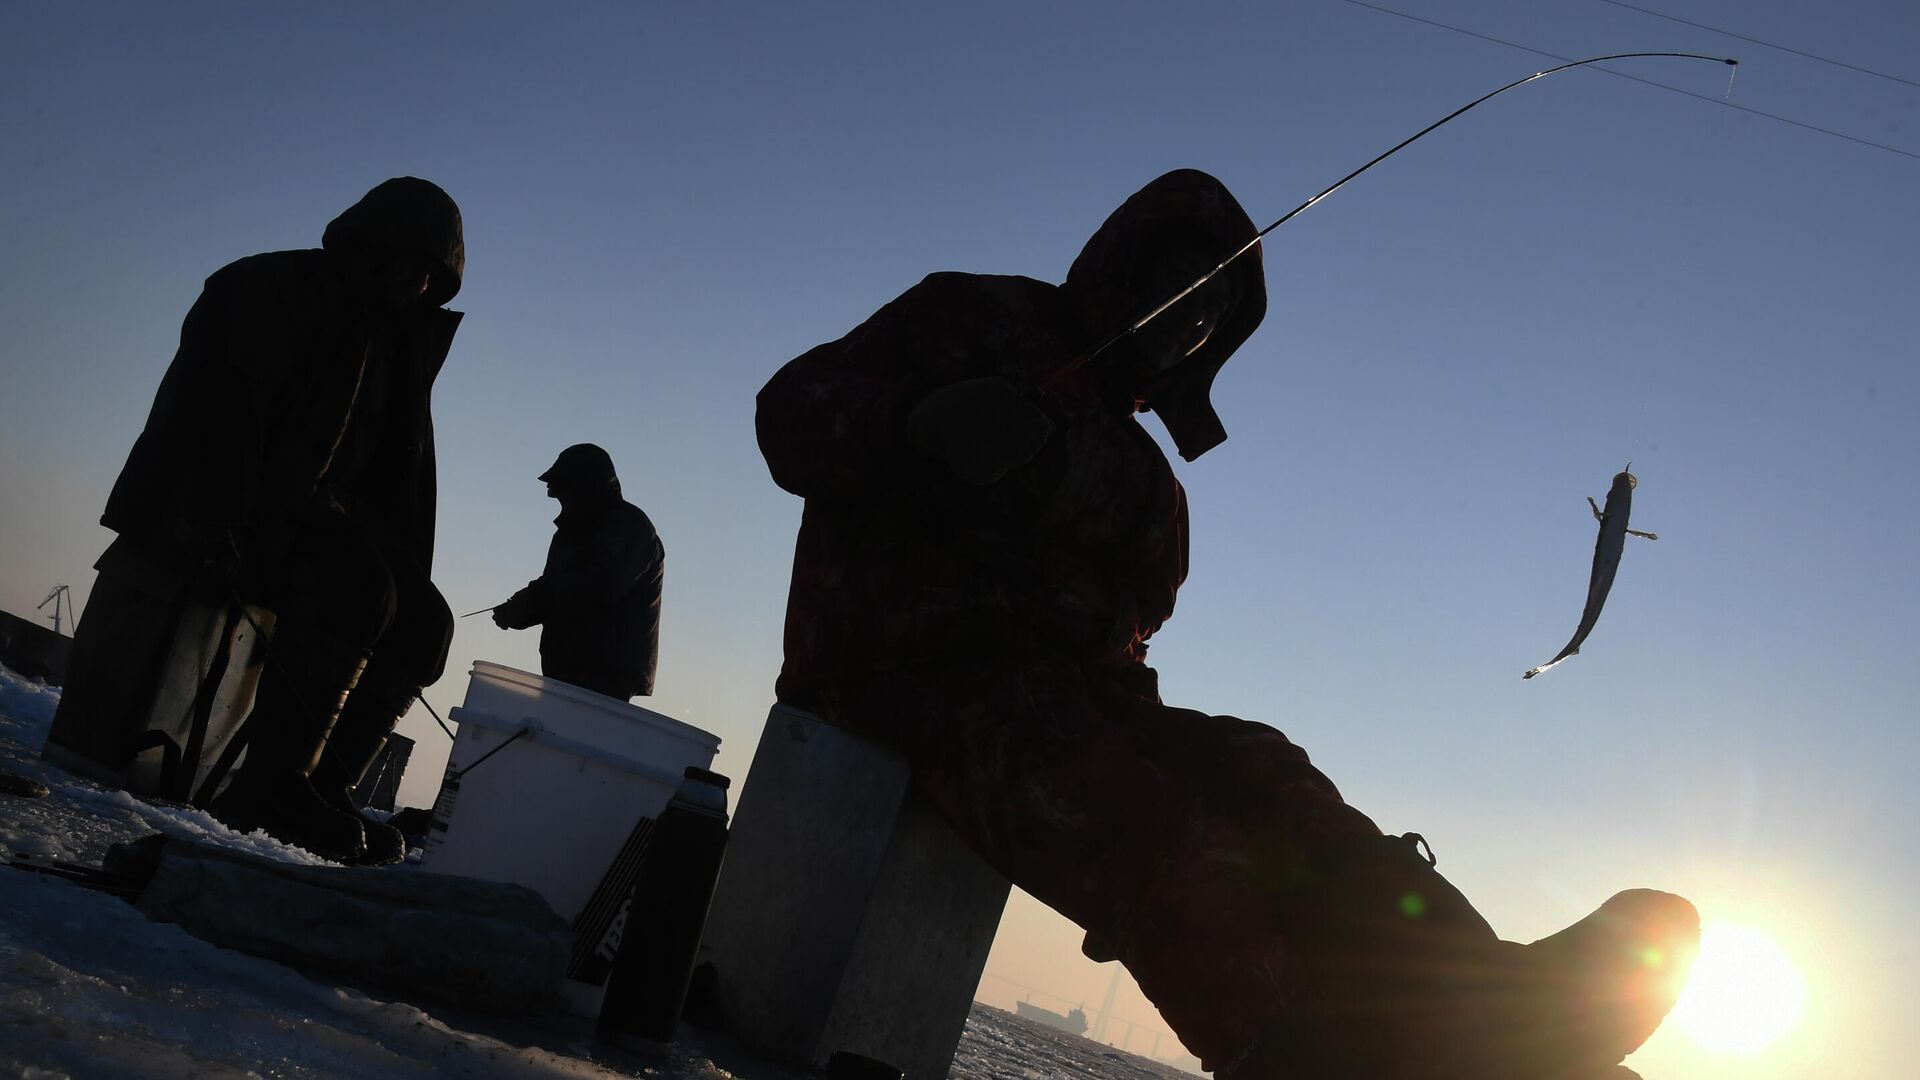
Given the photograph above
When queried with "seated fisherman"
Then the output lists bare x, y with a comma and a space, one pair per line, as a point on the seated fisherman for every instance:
989, 540
598, 600
289, 456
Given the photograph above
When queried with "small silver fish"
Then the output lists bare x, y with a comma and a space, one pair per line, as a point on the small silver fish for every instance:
1607, 550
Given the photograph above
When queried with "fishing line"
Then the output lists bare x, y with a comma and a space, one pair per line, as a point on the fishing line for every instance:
435, 713
1754, 40
1143, 320
1762, 113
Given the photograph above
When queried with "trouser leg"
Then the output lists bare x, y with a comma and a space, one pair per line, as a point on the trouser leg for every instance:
409, 655
1166, 832
1277, 930
333, 596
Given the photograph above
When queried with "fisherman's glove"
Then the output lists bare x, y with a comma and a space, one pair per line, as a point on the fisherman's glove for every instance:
233, 558
981, 428
520, 610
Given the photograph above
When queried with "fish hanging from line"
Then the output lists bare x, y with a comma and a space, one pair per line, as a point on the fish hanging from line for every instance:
1606, 559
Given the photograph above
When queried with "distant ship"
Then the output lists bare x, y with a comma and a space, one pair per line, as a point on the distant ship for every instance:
1074, 1023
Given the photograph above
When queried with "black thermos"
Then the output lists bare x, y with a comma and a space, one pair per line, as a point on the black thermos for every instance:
666, 915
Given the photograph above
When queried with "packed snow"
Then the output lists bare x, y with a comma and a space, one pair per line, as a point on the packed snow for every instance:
89, 988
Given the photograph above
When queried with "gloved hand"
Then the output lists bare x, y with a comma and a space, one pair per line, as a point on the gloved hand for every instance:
981, 428
235, 558
517, 612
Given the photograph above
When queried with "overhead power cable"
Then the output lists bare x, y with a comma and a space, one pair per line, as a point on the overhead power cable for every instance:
1635, 78
1757, 41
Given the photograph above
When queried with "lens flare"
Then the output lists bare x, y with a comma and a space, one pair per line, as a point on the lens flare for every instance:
1744, 993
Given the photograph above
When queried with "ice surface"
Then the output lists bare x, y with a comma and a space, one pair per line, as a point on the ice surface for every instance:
1001, 1046
26, 707
90, 990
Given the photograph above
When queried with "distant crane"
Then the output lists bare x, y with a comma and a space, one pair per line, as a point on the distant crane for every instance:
59, 593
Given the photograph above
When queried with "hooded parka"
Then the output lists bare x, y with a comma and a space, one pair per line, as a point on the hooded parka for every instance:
288, 463
996, 635
277, 357
1081, 551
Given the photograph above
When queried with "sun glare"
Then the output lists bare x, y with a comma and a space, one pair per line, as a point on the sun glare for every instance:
1744, 993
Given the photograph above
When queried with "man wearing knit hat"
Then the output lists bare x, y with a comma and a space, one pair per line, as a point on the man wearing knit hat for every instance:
598, 600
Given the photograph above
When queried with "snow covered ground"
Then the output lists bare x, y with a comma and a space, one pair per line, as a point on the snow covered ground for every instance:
90, 989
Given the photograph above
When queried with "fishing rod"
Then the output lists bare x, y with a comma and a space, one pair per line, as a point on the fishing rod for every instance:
1155, 312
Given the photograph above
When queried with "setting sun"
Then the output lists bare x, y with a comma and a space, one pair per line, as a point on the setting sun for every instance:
1744, 994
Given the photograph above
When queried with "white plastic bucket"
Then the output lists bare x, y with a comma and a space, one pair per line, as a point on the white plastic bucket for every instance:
571, 773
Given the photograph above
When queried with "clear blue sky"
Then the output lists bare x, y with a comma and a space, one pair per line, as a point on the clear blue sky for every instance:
665, 203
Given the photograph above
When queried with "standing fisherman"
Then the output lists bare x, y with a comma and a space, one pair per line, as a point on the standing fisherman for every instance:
289, 456
598, 600
989, 541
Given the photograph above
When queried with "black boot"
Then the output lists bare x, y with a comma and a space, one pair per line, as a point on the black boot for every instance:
306, 681
1402, 979
372, 710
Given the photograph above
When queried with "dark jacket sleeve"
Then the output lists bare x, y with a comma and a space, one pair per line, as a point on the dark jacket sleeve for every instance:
619, 557
162, 491
229, 440
401, 484
832, 422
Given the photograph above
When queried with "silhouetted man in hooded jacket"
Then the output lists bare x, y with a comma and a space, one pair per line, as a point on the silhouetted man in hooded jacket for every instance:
290, 450
598, 600
990, 539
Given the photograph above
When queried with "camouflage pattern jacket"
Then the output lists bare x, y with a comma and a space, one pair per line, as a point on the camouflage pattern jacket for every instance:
1077, 554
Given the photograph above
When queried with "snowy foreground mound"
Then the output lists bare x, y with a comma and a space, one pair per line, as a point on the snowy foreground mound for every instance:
90, 989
